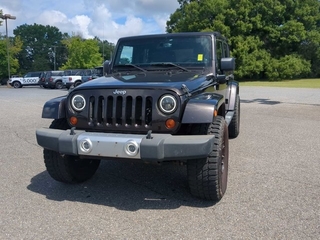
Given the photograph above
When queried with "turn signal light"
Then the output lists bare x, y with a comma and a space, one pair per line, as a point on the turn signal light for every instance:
74, 120
170, 123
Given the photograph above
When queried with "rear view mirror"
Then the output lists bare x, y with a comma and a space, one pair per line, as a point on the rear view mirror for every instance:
228, 64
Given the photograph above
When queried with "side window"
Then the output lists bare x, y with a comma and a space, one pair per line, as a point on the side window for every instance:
219, 54
226, 50
34, 74
126, 55
27, 75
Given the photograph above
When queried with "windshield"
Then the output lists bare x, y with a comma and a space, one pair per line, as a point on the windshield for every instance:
184, 51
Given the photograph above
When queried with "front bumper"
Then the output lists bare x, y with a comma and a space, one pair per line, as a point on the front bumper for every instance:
68, 84
157, 148
49, 84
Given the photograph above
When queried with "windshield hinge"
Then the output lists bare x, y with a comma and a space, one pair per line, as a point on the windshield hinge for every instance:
210, 76
186, 90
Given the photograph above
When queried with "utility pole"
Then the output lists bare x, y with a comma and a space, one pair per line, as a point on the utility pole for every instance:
54, 58
6, 17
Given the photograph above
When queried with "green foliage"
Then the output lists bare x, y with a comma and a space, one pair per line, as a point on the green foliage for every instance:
3, 59
270, 39
296, 83
82, 53
287, 67
42, 47
251, 60
15, 46
105, 48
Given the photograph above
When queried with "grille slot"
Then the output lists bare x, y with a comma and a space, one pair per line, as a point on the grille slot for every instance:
120, 111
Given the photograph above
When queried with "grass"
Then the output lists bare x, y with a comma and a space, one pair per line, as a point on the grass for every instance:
300, 83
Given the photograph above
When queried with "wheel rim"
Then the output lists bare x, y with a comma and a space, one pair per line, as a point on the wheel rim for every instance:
58, 85
16, 85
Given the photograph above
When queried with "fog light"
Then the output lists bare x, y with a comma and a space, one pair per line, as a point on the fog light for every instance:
131, 148
86, 145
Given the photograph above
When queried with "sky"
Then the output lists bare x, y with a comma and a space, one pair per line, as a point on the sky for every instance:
106, 19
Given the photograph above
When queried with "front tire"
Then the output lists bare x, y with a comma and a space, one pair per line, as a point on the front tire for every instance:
69, 169
59, 85
65, 168
17, 84
207, 177
76, 84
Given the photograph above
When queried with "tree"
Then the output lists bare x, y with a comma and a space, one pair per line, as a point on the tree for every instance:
82, 53
270, 39
42, 48
105, 48
15, 47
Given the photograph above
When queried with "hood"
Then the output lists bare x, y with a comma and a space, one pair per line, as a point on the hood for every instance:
149, 80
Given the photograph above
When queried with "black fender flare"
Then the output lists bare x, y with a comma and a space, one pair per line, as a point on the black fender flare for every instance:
55, 108
232, 93
201, 109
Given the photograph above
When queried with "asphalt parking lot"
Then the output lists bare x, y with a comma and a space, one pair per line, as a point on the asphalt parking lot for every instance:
273, 188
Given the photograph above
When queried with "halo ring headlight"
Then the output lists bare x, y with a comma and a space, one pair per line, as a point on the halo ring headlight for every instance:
78, 102
167, 104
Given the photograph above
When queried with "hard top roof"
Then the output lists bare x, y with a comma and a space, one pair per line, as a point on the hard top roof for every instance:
216, 34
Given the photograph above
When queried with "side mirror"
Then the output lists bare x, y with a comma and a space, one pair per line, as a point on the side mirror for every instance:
228, 64
106, 67
221, 79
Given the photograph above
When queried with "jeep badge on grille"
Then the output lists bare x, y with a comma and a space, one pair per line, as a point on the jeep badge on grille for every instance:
117, 92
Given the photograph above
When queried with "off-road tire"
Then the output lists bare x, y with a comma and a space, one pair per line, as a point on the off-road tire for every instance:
65, 168
207, 177
77, 83
16, 84
234, 126
58, 85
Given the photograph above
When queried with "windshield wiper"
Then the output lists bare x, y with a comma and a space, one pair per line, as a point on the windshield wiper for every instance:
165, 64
130, 65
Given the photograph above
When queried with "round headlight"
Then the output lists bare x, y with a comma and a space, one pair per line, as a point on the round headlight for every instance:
78, 102
167, 104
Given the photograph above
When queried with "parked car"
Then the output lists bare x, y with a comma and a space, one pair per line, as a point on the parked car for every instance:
99, 71
30, 79
91, 74
53, 79
72, 78
42, 79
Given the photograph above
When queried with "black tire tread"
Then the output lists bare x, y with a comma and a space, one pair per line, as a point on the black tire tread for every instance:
203, 175
58, 85
77, 83
68, 169
16, 83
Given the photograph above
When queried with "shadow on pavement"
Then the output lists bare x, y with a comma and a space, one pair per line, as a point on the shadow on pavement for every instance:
125, 186
261, 101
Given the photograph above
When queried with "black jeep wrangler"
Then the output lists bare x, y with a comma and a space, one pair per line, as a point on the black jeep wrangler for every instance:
164, 98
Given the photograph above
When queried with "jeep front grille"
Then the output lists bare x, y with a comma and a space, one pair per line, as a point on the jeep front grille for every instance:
120, 111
